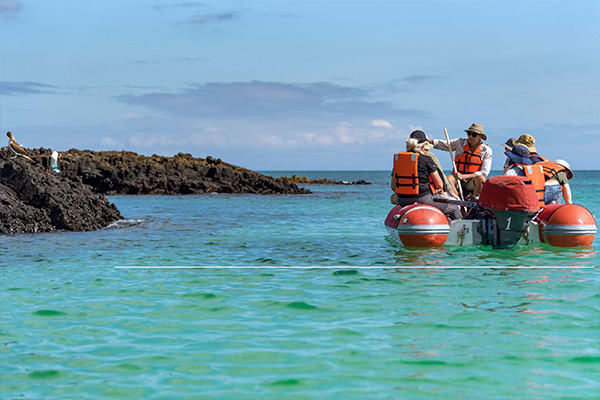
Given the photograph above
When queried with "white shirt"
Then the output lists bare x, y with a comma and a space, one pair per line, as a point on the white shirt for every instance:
458, 146
515, 170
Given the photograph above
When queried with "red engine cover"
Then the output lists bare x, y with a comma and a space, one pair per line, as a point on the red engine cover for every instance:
506, 193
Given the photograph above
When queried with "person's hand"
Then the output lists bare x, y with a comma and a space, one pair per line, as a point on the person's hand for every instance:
459, 176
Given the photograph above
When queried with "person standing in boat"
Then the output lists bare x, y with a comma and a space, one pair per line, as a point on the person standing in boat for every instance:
473, 159
413, 177
556, 174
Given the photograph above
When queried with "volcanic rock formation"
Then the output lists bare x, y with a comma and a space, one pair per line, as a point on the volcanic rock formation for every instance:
34, 199
124, 172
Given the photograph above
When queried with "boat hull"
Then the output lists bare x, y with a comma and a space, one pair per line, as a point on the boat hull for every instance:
572, 227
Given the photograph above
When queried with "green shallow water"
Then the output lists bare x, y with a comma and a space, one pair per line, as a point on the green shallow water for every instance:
73, 326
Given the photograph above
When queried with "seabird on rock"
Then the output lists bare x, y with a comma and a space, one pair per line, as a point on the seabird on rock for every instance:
54, 161
16, 147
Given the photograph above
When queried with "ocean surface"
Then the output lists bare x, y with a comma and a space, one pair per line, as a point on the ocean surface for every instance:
75, 326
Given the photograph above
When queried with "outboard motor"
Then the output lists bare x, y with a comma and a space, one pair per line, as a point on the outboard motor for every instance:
510, 203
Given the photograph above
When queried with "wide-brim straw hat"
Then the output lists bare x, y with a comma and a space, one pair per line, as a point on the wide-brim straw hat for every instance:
567, 166
527, 141
478, 129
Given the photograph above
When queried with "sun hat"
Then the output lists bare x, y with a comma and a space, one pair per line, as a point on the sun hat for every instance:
519, 155
419, 135
567, 166
478, 129
509, 144
527, 141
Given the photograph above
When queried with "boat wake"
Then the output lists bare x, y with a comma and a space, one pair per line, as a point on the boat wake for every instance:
125, 223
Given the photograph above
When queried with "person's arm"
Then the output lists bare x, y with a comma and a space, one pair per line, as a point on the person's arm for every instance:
566, 191
506, 166
440, 144
393, 182
486, 155
437, 181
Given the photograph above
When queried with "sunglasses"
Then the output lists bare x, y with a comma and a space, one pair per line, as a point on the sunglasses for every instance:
472, 134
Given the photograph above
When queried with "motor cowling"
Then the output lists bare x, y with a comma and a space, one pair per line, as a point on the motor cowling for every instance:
512, 201
419, 225
567, 225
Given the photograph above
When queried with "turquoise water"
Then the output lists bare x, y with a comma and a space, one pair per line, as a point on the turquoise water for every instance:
74, 326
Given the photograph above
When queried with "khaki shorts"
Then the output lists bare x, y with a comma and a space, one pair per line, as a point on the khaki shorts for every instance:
468, 186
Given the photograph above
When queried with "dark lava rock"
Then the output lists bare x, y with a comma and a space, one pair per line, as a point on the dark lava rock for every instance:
124, 172
34, 199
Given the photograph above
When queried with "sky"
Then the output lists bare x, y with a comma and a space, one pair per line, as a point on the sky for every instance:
300, 85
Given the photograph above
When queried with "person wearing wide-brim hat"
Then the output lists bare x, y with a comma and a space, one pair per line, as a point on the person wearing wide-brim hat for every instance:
473, 159
556, 174
559, 183
518, 155
528, 141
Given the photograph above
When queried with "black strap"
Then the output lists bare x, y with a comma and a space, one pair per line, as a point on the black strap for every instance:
413, 177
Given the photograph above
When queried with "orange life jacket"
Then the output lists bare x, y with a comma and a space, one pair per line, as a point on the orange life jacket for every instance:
535, 172
551, 169
470, 160
406, 174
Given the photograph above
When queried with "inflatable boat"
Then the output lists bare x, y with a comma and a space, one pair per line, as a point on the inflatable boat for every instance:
507, 213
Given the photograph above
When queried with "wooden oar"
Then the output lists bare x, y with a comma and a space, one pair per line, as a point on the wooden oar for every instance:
453, 165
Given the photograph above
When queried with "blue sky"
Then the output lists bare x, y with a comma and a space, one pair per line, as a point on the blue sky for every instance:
299, 85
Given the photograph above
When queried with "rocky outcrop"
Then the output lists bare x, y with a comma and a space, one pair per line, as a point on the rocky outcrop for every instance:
323, 181
124, 172
34, 199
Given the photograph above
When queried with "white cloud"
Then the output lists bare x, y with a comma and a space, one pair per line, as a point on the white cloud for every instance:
140, 140
345, 135
274, 140
326, 140
310, 137
271, 140
381, 123
107, 142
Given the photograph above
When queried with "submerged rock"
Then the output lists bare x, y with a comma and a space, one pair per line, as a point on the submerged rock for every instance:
124, 172
34, 199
